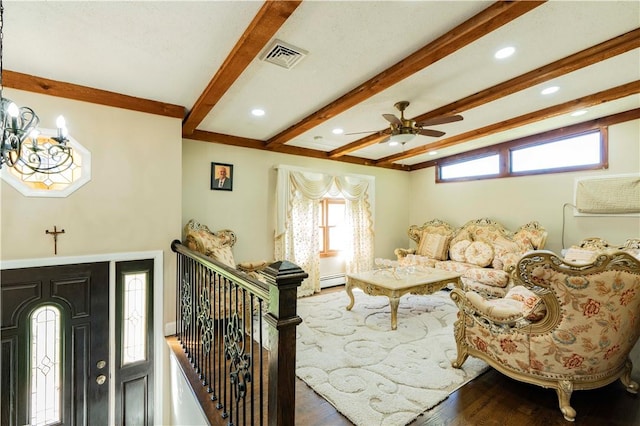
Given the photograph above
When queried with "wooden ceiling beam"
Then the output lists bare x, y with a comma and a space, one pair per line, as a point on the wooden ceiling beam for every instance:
269, 19
532, 117
584, 58
31, 83
204, 136
490, 19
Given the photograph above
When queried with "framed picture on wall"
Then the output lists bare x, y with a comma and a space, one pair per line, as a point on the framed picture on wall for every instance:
222, 177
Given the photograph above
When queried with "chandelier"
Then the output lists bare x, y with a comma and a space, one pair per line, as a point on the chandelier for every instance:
21, 145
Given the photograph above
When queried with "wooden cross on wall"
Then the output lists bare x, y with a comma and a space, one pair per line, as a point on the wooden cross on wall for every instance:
55, 233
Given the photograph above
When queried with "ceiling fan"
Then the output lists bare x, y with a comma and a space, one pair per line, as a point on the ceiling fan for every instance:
402, 130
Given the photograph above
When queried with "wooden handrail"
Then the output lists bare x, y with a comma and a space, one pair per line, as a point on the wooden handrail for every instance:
219, 325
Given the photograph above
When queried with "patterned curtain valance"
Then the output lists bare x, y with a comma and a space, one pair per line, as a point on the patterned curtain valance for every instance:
297, 237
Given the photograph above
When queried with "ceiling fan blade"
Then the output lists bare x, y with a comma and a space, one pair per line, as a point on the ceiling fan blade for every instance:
359, 133
429, 132
385, 140
392, 119
440, 120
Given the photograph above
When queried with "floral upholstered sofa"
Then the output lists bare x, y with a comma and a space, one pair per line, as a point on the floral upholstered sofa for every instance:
571, 327
483, 251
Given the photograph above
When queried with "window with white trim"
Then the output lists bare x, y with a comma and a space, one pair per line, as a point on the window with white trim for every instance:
332, 229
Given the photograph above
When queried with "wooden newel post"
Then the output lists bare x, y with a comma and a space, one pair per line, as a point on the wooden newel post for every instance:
284, 278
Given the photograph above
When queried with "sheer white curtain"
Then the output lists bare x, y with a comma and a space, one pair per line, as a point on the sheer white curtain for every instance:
297, 236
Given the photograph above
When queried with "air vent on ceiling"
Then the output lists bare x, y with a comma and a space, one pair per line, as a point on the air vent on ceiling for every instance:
283, 54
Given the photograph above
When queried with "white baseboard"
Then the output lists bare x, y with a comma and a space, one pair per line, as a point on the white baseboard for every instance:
170, 328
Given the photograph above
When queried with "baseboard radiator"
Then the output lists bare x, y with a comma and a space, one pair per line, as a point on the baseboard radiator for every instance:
332, 280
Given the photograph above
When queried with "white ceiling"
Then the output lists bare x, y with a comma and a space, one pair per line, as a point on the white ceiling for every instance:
169, 52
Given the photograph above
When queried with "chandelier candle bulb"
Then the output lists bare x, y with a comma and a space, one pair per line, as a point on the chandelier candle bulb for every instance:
13, 111
34, 138
62, 129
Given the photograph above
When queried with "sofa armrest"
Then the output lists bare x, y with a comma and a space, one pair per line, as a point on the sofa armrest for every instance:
252, 266
495, 312
401, 252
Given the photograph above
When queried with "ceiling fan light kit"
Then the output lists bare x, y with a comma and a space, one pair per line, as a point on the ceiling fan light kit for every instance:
400, 138
402, 130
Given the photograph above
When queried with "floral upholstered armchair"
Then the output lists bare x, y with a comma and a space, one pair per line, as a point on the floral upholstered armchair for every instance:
566, 326
218, 245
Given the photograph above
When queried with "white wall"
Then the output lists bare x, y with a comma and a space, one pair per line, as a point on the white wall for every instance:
249, 209
518, 200
131, 204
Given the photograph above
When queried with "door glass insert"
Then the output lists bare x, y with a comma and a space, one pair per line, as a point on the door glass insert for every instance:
45, 366
134, 318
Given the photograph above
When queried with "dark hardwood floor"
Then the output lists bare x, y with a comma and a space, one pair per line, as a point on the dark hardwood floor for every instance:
494, 399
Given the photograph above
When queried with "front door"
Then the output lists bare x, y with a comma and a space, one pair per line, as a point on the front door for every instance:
55, 345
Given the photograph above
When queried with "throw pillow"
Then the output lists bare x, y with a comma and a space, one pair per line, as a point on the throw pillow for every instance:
502, 245
456, 252
479, 253
434, 246
523, 242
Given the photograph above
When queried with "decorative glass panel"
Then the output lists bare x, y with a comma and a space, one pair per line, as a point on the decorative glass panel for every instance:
60, 184
134, 318
45, 366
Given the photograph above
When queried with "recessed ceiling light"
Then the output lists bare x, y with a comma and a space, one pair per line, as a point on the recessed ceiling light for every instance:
579, 113
257, 112
433, 152
505, 52
550, 90
337, 131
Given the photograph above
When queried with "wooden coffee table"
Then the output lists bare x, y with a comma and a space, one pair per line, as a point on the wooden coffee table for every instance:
395, 284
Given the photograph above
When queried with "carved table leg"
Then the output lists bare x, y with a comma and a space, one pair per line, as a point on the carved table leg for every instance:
349, 291
394, 302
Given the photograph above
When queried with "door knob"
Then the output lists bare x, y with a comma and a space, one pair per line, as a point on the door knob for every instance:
101, 364
101, 379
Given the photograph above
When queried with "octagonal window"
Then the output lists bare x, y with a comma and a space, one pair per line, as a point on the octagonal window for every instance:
68, 173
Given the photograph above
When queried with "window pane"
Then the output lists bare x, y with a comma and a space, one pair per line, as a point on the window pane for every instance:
45, 365
336, 214
336, 238
134, 317
577, 151
484, 166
